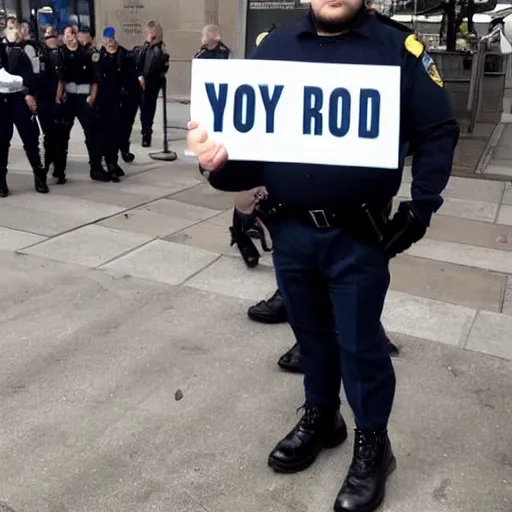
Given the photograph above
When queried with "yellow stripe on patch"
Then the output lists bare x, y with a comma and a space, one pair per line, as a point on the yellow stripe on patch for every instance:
412, 45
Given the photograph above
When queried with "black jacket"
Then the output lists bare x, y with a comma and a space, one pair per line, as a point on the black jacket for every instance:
152, 60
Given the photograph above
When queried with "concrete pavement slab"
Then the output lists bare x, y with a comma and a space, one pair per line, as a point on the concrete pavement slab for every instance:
71, 207
466, 209
90, 419
229, 276
182, 210
432, 319
492, 334
206, 196
89, 246
471, 232
12, 240
146, 222
163, 262
507, 300
462, 254
467, 189
471, 287
172, 179
507, 197
42, 223
499, 166
505, 215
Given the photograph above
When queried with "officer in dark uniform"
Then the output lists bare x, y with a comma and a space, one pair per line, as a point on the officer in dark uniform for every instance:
79, 76
152, 65
129, 104
20, 110
212, 46
333, 241
112, 68
50, 112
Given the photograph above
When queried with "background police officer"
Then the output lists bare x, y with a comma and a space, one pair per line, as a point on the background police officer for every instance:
129, 104
334, 274
212, 46
112, 68
85, 39
152, 65
79, 76
20, 110
50, 112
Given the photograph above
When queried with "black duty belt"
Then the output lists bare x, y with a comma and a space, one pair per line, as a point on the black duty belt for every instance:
365, 221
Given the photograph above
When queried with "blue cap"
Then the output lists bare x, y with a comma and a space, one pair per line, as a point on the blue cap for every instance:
109, 32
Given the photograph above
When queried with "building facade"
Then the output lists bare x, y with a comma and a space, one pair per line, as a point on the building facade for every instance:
240, 22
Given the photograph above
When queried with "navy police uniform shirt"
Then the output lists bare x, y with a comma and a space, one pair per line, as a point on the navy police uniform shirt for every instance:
80, 66
428, 128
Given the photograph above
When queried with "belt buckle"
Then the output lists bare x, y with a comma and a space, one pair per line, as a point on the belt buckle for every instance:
319, 218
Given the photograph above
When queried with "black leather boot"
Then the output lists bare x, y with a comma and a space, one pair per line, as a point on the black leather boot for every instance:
98, 173
271, 311
290, 361
127, 157
317, 429
373, 461
112, 171
40, 180
117, 171
146, 140
4, 189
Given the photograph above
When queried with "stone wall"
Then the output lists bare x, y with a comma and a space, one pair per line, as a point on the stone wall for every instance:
182, 21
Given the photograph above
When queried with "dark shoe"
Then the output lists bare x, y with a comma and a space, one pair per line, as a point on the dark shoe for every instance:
98, 173
393, 350
290, 361
373, 461
317, 429
128, 157
146, 140
117, 171
271, 311
4, 189
60, 175
40, 181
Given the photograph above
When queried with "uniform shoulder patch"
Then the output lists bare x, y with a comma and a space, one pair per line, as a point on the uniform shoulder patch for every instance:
431, 69
413, 46
95, 57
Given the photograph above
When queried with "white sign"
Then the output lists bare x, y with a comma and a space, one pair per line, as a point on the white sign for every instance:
300, 112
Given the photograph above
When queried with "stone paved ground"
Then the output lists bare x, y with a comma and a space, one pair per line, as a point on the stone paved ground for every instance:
116, 296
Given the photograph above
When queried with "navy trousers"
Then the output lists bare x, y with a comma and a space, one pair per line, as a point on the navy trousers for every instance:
15, 112
334, 286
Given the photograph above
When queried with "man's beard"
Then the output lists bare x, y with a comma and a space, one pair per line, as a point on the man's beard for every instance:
333, 26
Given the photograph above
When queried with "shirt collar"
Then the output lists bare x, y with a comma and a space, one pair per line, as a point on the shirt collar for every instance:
364, 24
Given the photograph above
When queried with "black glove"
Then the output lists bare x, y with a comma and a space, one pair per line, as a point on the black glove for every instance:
404, 229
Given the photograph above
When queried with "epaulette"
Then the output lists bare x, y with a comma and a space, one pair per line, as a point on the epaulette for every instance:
413, 46
392, 23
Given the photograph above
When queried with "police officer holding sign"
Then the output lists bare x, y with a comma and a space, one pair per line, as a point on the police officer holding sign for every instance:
333, 240
79, 76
